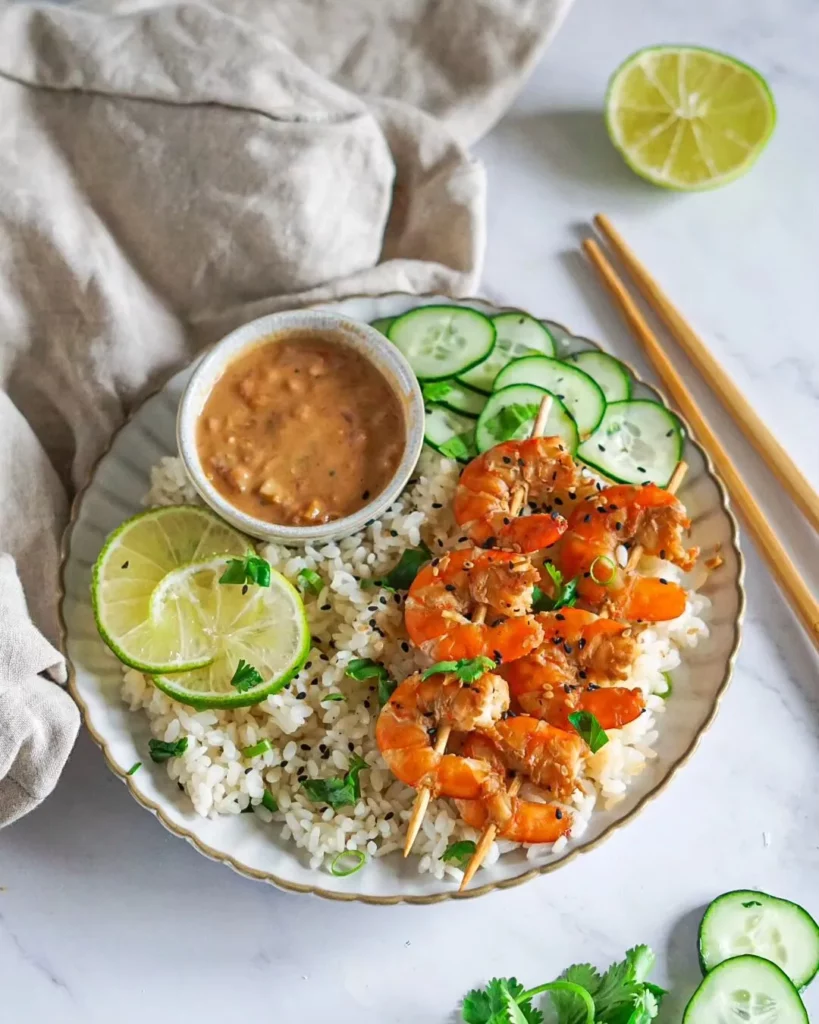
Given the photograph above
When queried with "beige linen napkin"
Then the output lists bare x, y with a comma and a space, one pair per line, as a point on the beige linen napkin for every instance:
167, 172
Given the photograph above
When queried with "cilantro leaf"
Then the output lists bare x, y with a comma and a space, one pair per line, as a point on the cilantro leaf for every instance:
436, 390
307, 579
161, 751
587, 727
245, 677
400, 577
468, 670
247, 570
459, 853
498, 1004
565, 595
513, 422
618, 990
459, 446
366, 668
338, 792
640, 961
269, 801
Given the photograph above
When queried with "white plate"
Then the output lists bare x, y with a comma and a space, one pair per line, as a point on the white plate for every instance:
115, 492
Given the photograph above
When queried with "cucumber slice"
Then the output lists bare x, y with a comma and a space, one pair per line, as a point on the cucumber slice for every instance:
455, 396
383, 325
637, 442
613, 378
580, 394
753, 922
518, 335
442, 341
522, 401
746, 988
450, 433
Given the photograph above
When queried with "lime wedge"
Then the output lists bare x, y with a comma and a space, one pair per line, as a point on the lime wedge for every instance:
133, 562
258, 636
688, 118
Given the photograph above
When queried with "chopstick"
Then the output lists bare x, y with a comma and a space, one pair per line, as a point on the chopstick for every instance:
742, 412
779, 562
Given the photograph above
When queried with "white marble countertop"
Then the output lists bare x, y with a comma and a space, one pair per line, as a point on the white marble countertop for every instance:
104, 916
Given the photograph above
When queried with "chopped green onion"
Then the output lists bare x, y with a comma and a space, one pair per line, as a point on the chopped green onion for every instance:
269, 801
307, 579
669, 685
134, 768
459, 853
332, 697
247, 570
161, 751
365, 668
607, 562
587, 727
261, 747
338, 869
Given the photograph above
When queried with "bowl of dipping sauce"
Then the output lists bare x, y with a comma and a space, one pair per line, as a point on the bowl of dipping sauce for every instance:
301, 426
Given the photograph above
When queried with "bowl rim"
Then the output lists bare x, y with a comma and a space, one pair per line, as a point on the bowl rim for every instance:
362, 339
441, 897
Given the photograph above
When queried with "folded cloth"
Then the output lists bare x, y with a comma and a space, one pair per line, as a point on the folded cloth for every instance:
168, 172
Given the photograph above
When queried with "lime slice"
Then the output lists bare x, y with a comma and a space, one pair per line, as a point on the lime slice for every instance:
688, 118
134, 560
263, 628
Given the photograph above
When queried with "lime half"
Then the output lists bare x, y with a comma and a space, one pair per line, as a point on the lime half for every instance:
688, 118
258, 637
135, 560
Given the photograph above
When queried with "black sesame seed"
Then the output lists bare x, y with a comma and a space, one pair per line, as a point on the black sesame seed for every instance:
351, 746
244, 589
326, 607
592, 686
557, 640
587, 519
301, 696
125, 565
586, 575
450, 587
283, 764
365, 495
308, 665
463, 540
618, 526
325, 754
573, 495
497, 656
533, 506
558, 813
558, 501
405, 647
506, 520
305, 746
560, 618
662, 552
181, 786
568, 648
664, 582
581, 643
440, 543
437, 504
393, 533
670, 432
547, 508
601, 509
507, 460
582, 674
389, 815
640, 469
491, 542
366, 703
601, 447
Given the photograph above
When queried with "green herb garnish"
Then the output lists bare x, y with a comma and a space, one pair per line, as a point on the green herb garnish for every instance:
669, 685
587, 727
308, 580
366, 668
257, 749
513, 422
459, 853
401, 576
338, 792
581, 995
161, 751
332, 697
468, 670
247, 570
565, 595
245, 677
436, 390
269, 801
357, 858
607, 573
134, 768
459, 446
386, 688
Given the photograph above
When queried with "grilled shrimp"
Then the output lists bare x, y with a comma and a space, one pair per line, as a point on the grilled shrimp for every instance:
647, 516
516, 818
407, 723
540, 470
450, 589
580, 656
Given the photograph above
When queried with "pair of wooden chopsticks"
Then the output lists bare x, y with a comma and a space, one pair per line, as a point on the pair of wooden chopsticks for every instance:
774, 455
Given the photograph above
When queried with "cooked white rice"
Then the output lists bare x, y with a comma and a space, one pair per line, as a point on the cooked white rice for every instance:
311, 739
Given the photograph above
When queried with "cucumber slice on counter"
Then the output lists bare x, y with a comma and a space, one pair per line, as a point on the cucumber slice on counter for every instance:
510, 414
455, 396
613, 378
450, 433
746, 988
745, 921
442, 341
518, 335
579, 393
383, 324
637, 442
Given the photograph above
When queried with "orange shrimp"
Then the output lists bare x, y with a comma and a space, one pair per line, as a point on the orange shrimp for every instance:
580, 650
647, 516
516, 818
540, 470
416, 709
449, 589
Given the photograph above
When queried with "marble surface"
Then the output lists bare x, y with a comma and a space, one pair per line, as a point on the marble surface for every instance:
106, 917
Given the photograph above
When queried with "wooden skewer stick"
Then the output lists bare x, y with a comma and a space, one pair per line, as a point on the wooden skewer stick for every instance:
487, 837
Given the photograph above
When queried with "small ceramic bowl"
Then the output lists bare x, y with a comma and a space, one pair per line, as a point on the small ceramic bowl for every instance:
370, 344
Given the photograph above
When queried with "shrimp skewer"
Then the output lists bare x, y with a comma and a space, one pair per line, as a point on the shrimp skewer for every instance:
487, 837
518, 497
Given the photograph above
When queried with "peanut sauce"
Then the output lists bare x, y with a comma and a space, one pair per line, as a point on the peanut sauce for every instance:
301, 430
